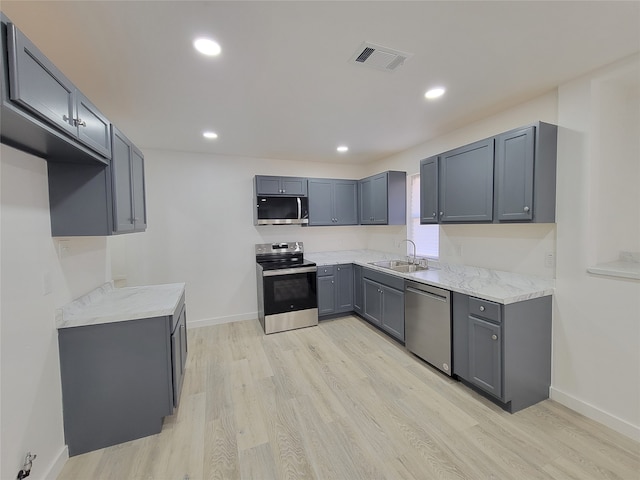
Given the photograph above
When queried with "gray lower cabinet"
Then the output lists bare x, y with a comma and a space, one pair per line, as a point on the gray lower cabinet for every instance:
37, 85
98, 200
383, 199
383, 302
335, 289
503, 350
429, 190
280, 186
120, 379
333, 201
466, 183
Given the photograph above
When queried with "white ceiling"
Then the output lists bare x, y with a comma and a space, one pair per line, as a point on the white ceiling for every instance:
283, 87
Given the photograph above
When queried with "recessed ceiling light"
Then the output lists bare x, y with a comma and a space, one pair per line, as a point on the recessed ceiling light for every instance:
342, 148
209, 134
206, 46
434, 93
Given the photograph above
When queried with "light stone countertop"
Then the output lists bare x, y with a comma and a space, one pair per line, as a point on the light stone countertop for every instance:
107, 304
494, 285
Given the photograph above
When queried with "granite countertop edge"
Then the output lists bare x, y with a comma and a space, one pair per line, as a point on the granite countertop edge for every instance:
493, 285
107, 304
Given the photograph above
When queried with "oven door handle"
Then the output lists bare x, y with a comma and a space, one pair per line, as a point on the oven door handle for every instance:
299, 208
288, 271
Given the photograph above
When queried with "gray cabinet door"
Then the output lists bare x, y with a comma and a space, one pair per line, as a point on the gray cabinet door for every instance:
357, 289
138, 187
379, 200
286, 186
466, 183
485, 355
366, 201
429, 190
94, 130
38, 85
326, 295
294, 186
514, 175
121, 177
268, 185
393, 311
345, 202
344, 288
372, 302
321, 205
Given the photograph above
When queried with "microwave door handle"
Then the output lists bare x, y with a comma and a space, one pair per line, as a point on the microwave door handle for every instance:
299, 208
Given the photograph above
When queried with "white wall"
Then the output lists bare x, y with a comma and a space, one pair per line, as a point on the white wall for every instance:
515, 248
201, 230
31, 400
596, 324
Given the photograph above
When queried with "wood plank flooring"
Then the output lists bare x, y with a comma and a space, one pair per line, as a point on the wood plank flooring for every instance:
343, 401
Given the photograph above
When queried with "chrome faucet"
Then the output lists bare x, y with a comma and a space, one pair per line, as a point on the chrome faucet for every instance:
414, 248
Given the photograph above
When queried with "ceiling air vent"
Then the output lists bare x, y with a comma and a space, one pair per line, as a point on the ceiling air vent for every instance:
379, 57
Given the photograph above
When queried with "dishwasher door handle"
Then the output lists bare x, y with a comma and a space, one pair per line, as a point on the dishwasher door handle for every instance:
427, 294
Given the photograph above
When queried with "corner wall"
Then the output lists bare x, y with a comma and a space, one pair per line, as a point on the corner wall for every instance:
31, 397
596, 325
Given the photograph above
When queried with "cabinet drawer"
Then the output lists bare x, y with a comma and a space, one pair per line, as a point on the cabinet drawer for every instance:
326, 270
392, 281
484, 309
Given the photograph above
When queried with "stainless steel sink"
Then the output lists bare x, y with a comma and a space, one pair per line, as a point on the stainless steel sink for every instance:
400, 266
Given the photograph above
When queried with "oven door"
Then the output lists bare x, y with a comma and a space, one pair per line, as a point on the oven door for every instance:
289, 290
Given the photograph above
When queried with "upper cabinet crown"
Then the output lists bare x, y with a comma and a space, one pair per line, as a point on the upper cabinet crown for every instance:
43, 112
283, 186
507, 178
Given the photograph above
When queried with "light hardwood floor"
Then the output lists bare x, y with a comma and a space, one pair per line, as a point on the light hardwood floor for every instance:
343, 401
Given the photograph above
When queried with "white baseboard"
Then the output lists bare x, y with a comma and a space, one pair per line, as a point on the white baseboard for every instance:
58, 464
594, 413
206, 322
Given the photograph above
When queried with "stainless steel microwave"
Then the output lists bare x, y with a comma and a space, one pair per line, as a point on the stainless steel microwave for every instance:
272, 210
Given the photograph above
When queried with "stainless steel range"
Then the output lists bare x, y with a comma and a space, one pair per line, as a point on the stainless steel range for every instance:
287, 296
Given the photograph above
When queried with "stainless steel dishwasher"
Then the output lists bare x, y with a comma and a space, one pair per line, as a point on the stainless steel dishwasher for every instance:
428, 324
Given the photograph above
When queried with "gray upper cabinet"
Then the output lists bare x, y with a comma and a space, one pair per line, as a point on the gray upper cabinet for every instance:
37, 85
525, 174
429, 190
285, 186
129, 207
466, 183
333, 201
98, 200
383, 199
507, 178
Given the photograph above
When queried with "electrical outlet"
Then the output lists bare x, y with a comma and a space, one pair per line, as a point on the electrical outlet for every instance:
550, 260
63, 248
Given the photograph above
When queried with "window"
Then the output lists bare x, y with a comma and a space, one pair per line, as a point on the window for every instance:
426, 237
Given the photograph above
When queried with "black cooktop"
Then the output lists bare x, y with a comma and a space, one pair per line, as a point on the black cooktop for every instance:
296, 261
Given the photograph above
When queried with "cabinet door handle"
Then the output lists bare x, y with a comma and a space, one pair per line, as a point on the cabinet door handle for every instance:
65, 118
441, 213
434, 215
80, 123
526, 209
482, 309
332, 282
494, 337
